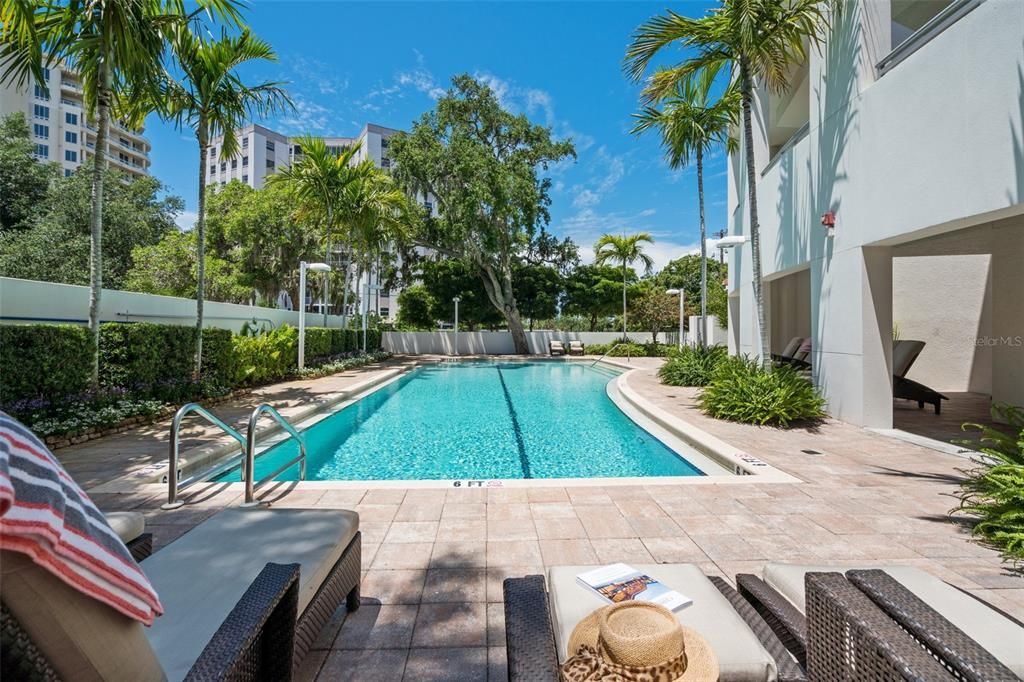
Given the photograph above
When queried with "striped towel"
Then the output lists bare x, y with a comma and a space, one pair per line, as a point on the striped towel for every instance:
44, 514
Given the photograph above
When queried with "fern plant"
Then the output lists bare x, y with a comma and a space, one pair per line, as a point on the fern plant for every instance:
993, 493
691, 366
742, 390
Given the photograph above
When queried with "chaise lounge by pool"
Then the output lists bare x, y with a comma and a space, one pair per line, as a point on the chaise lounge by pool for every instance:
481, 420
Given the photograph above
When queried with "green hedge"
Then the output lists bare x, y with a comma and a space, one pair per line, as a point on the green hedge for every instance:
621, 349
155, 360
43, 361
267, 357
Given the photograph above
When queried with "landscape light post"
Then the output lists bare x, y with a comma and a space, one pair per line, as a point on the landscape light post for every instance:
303, 266
456, 302
367, 288
682, 296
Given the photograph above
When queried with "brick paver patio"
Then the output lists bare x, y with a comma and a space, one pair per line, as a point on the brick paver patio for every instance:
434, 559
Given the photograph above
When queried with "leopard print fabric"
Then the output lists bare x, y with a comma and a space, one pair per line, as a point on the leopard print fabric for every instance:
591, 665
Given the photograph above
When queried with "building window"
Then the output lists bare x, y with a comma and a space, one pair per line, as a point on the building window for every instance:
234, 164
41, 93
70, 137
245, 178
41, 131
71, 155
223, 166
385, 292
39, 111
42, 151
71, 119
385, 163
68, 172
297, 150
245, 161
213, 169
270, 145
213, 152
123, 158
46, 74
245, 143
270, 164
384, 312
383, 143
429, 206
913, 24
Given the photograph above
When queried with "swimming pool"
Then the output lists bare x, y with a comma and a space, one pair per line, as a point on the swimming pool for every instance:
481, 420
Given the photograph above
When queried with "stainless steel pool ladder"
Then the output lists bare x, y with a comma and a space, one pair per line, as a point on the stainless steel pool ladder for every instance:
174, 486
249, 463
247, 458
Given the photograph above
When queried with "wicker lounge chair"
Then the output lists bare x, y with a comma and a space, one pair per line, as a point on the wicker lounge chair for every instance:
576, 348
795, 353
967, 635
232, 611
746, 647
131, 528
904, 353
556, 348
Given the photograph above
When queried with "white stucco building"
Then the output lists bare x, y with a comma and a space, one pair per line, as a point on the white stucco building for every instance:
60, 130
262, 152
908, 126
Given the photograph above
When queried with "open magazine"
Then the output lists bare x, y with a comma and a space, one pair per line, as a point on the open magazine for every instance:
618, 583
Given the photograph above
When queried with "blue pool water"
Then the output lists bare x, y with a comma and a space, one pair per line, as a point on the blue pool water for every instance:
481, 420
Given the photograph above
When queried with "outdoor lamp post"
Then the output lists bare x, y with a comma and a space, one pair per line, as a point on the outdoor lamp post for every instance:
682, 297
303, 266
367, 288
456, 302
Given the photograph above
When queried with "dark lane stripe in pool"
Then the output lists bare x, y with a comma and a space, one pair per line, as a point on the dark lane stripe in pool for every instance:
524, 460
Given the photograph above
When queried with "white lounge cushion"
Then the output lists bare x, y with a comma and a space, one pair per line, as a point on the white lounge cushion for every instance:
1003, 638
792, 347
575, 344
741, 656
127, 524
201, 576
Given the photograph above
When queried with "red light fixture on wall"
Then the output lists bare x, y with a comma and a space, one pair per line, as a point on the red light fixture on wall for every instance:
828, 219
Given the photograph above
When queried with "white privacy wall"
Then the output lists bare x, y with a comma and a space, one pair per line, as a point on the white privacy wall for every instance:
934, 145
25, 302
493, 343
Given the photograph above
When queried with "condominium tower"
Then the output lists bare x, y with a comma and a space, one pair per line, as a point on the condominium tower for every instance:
61, 131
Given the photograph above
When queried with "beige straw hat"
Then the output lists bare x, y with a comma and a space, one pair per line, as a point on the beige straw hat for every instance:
638, 640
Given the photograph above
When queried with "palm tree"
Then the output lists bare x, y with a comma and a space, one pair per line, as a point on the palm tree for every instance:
117, 48
319, 179
691, 122
360, 204
624, 250
757, 40
211, 99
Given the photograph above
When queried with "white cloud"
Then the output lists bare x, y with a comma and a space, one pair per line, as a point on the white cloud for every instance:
186, 220
587, 225
422, 80
614, 172
584, 198
308, 117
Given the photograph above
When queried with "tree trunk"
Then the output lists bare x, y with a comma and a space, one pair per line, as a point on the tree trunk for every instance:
755, 232
344, 294
327, 260
624, 333
593, 322
200, 250
703, 252
99, 163
499, 291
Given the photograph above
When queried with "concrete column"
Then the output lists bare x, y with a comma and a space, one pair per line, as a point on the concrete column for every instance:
851, 317
1007, 340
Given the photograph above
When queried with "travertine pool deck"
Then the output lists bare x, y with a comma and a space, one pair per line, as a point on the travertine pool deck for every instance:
434, 559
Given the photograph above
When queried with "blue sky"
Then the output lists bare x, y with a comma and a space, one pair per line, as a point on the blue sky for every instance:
559, 62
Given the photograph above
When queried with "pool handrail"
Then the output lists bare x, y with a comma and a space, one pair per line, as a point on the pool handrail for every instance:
174, 486
607, 352
249, 461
